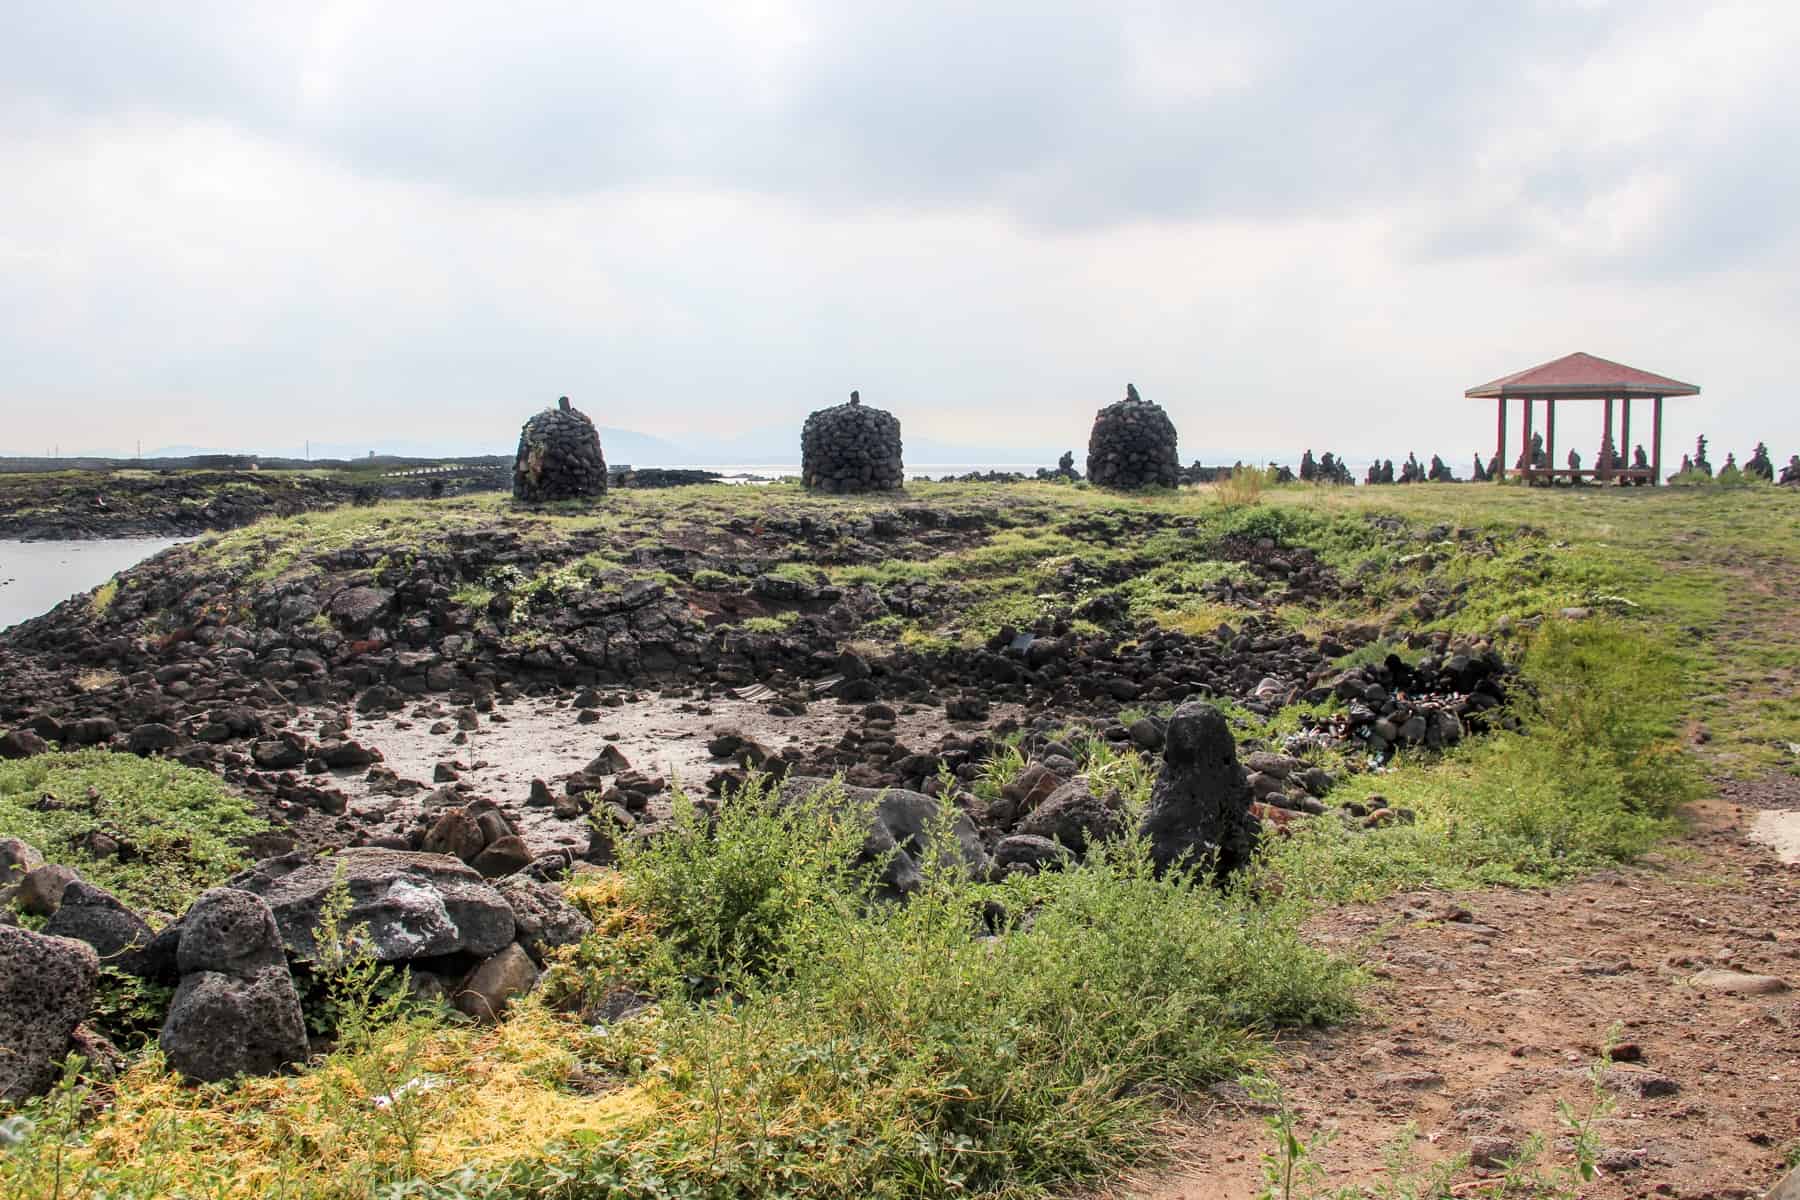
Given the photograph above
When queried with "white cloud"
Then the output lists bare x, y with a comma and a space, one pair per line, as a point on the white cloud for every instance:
360, 222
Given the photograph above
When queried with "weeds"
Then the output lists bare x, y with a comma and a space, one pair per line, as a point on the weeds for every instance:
177, 827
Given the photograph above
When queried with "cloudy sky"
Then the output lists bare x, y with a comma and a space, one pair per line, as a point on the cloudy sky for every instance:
238, 224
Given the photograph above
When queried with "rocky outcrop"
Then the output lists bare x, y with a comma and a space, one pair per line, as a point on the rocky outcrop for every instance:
1133, 445
46, 989
559, 457
851, 448
1199, 812
901, 825
414, 905
235, 1011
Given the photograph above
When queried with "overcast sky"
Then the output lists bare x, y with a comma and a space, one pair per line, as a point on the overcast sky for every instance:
1292, 224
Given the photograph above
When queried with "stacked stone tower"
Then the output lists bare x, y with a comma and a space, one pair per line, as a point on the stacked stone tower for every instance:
1133, 445
851, 448
559, 457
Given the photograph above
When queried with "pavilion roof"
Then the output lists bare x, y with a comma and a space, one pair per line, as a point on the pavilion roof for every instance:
1583, 376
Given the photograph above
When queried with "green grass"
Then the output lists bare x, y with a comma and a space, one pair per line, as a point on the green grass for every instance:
1024, 1038
179, 824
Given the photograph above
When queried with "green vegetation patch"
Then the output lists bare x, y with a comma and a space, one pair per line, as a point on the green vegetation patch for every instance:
177, 826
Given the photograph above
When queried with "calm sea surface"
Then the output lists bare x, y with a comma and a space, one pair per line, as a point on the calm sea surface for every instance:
37, 576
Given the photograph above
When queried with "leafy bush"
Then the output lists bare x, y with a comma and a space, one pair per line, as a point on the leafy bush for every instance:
947, 1046
737, 895
1591, 773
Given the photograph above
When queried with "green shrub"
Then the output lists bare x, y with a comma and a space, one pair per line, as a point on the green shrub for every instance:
978, 1039
736, 895
179, 826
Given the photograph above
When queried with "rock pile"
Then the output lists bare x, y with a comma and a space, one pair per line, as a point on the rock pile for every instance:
237, 1009
559, 457
851, 448
1133, 445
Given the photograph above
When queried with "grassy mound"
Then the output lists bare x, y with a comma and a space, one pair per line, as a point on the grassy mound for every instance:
176, 826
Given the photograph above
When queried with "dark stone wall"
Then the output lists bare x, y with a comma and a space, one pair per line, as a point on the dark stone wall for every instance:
851, 448
1133, 445
559, 457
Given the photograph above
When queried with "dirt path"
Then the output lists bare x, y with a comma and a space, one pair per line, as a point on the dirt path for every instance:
1489, 1008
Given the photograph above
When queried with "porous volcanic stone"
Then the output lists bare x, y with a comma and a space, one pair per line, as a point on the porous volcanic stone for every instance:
851, 448
415, 905
46, 988
236, 1011
1133, 445
559, 457
1200, 807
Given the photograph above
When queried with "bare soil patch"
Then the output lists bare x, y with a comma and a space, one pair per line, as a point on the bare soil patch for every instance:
1492, 1005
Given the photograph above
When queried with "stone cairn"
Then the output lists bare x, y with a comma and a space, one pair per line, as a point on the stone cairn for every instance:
559, 457
851, 448
1133, 445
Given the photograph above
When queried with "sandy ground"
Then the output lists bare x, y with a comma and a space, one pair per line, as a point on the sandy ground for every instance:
1491, 1006
543, 738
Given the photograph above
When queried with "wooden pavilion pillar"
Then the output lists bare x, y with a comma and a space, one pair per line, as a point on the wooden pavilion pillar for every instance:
1656, 443
1606, 445
1500, 440
1526, 440
1550, 436
1625, 432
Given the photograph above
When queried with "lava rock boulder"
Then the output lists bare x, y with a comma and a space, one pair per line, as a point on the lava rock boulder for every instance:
414, 905
1199, 813
46, 989
236, 1011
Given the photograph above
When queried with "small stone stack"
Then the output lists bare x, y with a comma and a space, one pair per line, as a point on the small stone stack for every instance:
1133, 445
851, 448
559, 457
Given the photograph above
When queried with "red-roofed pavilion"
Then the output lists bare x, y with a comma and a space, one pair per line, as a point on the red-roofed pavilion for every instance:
1583, 377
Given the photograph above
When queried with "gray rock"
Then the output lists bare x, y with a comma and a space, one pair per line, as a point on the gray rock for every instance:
152, 737
236, 1011
1738, 982
221, 1025
46, 989
502, 857
41, 890
94, 915
415, 905
900, 826
494, 984
1075, 817
1200, 806
229, 931
17, 858
356, 609
1025, 850
22, 743
542, 918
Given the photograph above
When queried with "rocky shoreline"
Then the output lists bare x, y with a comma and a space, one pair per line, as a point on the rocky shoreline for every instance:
466, 712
